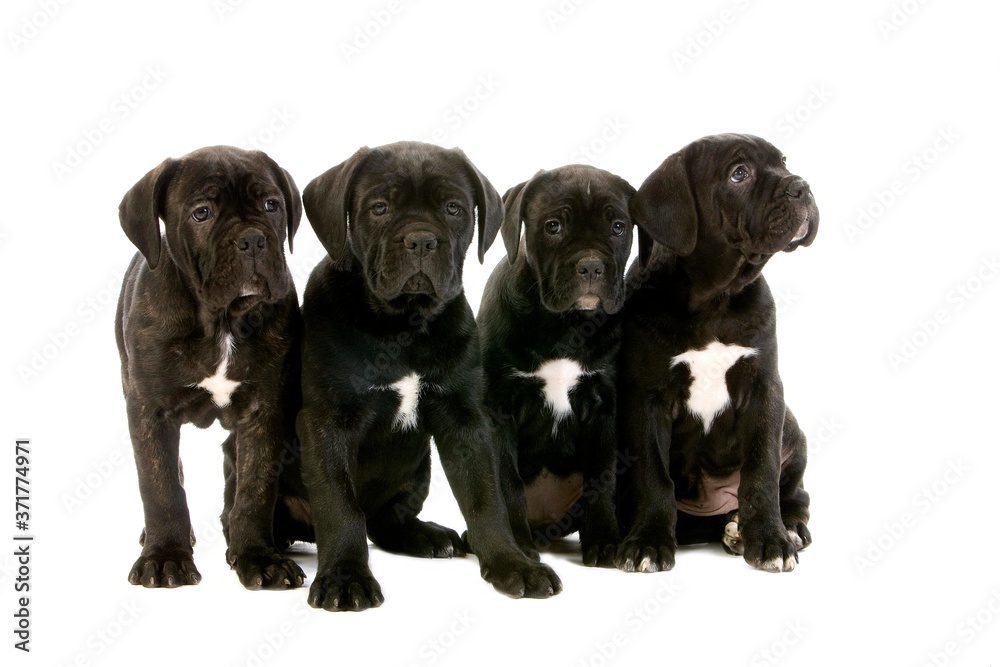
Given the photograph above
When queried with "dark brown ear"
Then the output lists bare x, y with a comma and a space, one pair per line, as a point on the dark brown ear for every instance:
664, 209
489, 207
293, 201
513, 201
327, 200
142, 207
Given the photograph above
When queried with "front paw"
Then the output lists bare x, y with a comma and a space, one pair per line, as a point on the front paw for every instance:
265, 569
642, 554
767, 547
164, 567
347, 586
600, 554
519, 577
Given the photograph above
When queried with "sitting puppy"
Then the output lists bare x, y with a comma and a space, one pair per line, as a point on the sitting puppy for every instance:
702, 403
550, 334
207, 329
390, 358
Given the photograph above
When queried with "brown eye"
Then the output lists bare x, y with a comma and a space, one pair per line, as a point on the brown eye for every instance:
201, 214
553, 226
380, 208
617, 227
271, 205
453, 208
740, 174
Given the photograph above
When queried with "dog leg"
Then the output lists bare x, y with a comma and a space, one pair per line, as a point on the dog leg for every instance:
598, 525
167, 558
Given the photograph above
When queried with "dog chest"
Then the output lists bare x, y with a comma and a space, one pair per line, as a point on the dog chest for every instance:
708, 394
407, 389
558, 377
219, 386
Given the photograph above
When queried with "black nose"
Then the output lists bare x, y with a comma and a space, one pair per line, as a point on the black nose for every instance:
420, 241
797, 189
251, 241
590, 268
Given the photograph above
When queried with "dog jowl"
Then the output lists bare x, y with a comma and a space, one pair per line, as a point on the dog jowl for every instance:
551, 332
208, 329
721, 458
390, 358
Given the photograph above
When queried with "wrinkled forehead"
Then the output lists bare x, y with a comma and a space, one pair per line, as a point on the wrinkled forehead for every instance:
411, 173
578, 188
213, 176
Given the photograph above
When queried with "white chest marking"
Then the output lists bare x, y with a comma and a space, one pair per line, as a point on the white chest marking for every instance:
219, 386
408, 389
560, 377
708, 393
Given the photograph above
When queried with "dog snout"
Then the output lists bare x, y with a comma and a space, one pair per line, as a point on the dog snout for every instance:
590, 268
422, 241
797, 189
251, 241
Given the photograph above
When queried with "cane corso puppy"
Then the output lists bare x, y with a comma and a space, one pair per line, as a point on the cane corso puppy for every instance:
550, 329
208, 329
390, 358
702, 406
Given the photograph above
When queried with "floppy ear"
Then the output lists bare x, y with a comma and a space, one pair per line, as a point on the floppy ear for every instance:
664, 209
141, 208
513, 201
489, 206
293, 201
327, 200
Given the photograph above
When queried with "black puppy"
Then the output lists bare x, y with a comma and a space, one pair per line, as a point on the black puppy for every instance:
208, 329
702, 403
390, 358
551, 332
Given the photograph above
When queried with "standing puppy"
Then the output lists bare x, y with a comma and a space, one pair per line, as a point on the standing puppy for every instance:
702, 403
551, 334
390, 358
208, 329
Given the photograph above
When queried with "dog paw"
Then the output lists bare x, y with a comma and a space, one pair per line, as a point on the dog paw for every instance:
423, 539
732, 541
519, 577
164, 567
265, 570
769, 549
644, 555
599, 555
347, 586
799, 535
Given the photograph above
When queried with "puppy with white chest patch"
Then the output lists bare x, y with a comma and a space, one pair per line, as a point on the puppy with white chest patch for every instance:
391, 357
720, 456
208, 329
551, 332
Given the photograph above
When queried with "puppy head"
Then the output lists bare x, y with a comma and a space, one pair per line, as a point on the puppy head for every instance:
407, 212
226, 214
577, 239
727, 189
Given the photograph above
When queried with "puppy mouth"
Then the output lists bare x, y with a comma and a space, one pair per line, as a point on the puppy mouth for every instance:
418, 283
802, 231
588, 302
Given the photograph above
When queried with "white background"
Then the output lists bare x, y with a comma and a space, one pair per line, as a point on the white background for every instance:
606, 77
